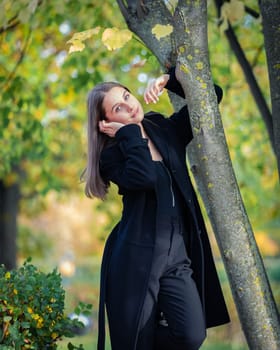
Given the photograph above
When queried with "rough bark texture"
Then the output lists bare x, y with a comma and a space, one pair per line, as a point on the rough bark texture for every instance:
9, 196
270, 10
156, 12
213, 170
250, 287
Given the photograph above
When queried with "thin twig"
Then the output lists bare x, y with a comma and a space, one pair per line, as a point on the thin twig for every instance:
22, 54
252, 12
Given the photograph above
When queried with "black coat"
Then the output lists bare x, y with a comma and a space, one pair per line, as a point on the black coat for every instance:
129, 249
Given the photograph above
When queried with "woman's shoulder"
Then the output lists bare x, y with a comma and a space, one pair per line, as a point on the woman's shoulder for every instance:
110, 149
155, 117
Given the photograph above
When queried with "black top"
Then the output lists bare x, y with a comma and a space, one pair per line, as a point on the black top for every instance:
169, 201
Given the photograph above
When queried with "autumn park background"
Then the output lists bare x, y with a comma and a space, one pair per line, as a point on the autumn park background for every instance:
44, 212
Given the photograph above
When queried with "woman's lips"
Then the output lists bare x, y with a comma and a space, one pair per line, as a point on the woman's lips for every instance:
134, 114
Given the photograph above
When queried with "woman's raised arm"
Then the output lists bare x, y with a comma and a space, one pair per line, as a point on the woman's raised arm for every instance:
155, 88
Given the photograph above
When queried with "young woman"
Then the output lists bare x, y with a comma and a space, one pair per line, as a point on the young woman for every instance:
158, 278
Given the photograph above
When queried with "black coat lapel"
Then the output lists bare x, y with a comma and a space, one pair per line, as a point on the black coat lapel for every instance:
158, 135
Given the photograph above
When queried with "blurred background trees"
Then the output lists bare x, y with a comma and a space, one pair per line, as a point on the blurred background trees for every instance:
43, 212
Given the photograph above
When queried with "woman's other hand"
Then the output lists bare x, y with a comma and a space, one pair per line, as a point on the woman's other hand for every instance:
155, 88
109, 128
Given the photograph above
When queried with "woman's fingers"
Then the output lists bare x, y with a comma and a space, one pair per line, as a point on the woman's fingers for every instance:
109, 128
155, 88
151, 92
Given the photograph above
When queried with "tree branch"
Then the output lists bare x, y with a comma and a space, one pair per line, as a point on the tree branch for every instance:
12, 23
250, 78
21, 57
252, 12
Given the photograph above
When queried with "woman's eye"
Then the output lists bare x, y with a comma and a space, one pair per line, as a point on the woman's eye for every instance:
126, 97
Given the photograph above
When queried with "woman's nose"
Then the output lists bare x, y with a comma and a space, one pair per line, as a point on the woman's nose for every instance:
128, 107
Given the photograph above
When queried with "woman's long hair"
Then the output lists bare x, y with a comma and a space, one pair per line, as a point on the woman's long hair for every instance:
95, 185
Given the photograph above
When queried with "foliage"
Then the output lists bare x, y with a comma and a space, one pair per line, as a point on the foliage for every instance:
231, 11
253, 160
42, 104
112, 38
33, 243
32, 306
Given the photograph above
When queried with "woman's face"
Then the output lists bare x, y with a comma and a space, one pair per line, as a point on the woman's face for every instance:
122, 107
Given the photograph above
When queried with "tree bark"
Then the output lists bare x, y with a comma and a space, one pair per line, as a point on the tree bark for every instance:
213, 171
9, 197
156, 12
270, 10
247, 276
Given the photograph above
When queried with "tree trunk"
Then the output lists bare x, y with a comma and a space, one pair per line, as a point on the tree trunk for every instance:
9, 197
249, 284
270, 10
220, 192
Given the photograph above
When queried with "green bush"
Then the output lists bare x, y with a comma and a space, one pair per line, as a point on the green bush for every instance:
32, 310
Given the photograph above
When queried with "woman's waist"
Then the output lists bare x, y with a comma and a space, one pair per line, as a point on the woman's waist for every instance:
167, 222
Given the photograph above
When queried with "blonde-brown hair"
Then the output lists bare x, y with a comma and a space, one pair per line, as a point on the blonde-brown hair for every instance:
96, 186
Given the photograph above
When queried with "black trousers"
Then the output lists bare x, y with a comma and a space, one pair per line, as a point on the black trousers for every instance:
173, 293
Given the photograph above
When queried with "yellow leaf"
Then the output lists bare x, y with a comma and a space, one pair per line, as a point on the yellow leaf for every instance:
77, 39
82, 36
232, 11
114, 38
76, 46
160, 31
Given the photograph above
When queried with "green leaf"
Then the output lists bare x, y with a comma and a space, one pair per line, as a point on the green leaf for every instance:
7, 318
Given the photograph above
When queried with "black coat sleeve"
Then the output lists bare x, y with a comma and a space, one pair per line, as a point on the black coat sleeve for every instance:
128, 162
181, 120
173, 85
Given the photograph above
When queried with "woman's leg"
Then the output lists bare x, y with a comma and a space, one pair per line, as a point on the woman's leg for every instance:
173, 291
148, 322
180, 303
146, 336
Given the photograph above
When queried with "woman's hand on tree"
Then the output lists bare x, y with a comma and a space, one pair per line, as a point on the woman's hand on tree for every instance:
109, 128
155, 88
